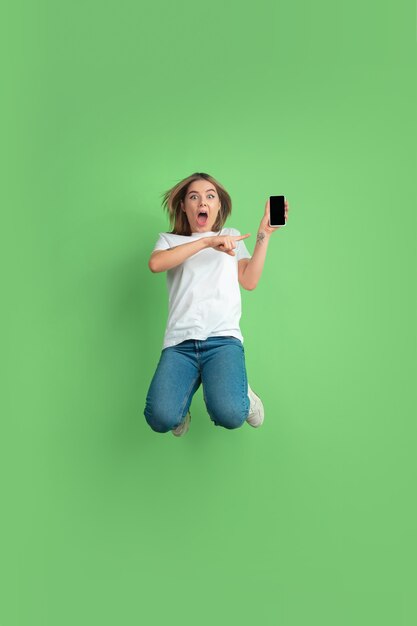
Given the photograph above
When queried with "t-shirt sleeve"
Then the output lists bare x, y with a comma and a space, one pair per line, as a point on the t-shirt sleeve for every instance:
162, 243
241, 250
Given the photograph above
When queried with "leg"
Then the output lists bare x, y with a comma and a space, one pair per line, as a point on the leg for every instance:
224, 378
176, 379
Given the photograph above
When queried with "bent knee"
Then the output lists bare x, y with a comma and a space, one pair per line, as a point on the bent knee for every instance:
232, 418
161, 422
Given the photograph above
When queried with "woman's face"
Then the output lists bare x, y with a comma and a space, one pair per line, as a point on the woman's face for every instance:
201, 196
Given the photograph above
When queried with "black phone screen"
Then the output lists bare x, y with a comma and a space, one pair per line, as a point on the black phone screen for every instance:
276, 211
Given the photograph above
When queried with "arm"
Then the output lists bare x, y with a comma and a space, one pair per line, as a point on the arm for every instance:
254, 268
162, 260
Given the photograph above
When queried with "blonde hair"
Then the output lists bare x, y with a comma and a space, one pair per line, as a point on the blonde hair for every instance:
178, 218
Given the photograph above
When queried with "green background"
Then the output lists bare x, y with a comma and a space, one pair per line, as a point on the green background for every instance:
310, 520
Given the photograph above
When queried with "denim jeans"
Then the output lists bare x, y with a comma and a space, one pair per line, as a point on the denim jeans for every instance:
218, 363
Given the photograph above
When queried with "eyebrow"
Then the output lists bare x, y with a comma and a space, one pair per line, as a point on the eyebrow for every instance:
197, 191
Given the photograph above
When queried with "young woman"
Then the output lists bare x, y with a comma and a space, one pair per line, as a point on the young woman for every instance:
205, 264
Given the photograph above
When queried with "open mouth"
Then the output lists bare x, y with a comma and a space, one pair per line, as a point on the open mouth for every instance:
202, 218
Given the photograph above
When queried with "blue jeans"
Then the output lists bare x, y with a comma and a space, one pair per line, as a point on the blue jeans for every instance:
218, 363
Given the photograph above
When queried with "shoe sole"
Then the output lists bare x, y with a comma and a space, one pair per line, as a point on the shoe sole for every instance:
185, 425
260, 410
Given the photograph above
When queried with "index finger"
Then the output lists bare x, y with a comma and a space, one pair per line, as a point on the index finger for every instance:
241, 236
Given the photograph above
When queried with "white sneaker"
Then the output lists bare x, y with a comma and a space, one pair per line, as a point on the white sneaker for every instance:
182, 428
256, 410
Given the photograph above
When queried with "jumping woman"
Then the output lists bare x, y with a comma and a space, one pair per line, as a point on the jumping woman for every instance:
205, 264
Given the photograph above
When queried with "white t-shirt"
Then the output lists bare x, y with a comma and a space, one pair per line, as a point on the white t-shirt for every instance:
204, 291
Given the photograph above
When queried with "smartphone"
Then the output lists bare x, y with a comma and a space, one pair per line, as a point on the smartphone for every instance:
277, 210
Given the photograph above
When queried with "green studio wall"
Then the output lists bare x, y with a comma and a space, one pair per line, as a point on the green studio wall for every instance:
309, 520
